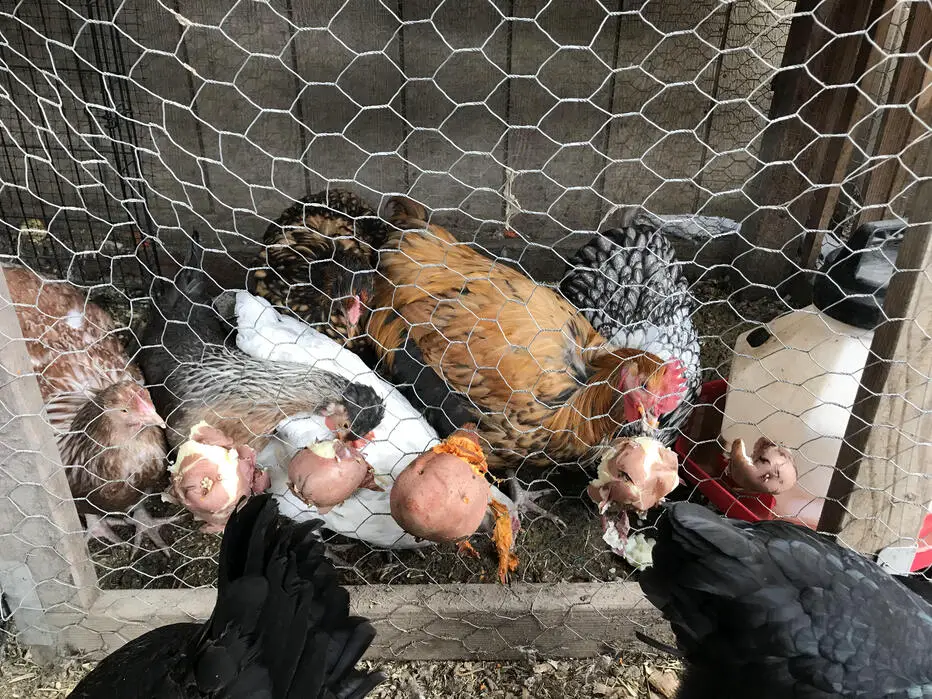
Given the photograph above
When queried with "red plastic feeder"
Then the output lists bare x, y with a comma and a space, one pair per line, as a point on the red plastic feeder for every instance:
701, 445
704, 446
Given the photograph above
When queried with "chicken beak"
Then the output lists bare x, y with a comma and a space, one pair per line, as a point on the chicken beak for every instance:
148, 417
649, 422
155, 420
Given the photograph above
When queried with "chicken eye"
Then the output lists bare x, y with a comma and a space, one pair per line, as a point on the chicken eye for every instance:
124, 410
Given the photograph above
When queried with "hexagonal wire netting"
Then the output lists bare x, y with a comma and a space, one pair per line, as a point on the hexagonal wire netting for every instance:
756, 137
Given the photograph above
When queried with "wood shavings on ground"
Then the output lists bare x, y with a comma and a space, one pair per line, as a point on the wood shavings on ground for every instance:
633, 676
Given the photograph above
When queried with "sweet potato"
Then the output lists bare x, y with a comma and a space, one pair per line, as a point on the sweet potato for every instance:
327, 473
443, 495
209, 476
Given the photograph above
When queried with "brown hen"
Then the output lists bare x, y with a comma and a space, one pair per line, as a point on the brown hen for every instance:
109, 434
510, 354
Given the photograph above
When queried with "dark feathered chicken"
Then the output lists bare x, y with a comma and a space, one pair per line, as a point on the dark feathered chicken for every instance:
631, 287
109, 434
196, 374
774, 610
320, 261
281, 627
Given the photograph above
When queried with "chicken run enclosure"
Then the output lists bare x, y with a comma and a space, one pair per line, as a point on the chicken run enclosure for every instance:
773, 143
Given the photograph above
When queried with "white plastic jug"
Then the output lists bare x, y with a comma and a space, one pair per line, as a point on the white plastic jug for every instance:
795, 380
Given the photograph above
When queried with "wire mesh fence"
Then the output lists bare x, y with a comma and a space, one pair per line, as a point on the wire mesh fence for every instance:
673, 177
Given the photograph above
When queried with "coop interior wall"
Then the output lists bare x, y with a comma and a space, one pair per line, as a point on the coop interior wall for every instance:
563, 113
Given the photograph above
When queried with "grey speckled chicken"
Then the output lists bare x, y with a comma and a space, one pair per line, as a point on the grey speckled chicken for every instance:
195, 372
776, 611
631, 288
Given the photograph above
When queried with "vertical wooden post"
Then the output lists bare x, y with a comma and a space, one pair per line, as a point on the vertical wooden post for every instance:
45, 572
905, 125
882, 486
851, 106
813, 94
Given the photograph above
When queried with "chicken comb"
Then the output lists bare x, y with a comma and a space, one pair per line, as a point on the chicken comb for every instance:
673, 385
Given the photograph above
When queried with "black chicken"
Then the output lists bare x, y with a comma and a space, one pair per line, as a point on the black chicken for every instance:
774, 610
320, 260
631, 288
280, 628
195, 373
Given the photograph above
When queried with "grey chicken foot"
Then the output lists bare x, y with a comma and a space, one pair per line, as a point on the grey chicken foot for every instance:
96, 527
148, 526
332, 552
526, 501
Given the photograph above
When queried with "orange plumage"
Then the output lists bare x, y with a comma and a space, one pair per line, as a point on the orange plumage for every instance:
540, 381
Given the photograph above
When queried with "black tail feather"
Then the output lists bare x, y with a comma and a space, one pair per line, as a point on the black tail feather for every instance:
281, 626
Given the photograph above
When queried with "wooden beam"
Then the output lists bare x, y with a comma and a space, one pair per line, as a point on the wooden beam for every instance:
906, 120
850, 106
881, 489
422, 622
45, 571
822, 61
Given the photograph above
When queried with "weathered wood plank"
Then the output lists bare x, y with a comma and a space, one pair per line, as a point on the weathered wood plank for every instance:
816, 66
850, 105
454, 106
45, 570
881, 485
421, 622
907, 119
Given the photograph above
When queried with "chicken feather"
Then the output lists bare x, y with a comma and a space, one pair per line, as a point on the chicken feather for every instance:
319, 262
776, 610
281, 627
197, 374
540, 381
108, 433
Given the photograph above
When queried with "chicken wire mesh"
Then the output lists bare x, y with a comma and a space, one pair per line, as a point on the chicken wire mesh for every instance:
525, 128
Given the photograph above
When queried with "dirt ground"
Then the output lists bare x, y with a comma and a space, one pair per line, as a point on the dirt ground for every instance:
632, 676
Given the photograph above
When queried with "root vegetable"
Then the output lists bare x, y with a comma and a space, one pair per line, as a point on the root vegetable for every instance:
443, 495
210, 476
326, 473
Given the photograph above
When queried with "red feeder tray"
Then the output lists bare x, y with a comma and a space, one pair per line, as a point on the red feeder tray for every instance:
703, 463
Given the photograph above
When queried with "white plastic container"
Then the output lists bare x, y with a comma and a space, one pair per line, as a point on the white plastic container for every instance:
797, 389
796, 380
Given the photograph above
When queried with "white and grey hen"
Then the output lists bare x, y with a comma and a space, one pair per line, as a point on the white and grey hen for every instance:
630, 286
